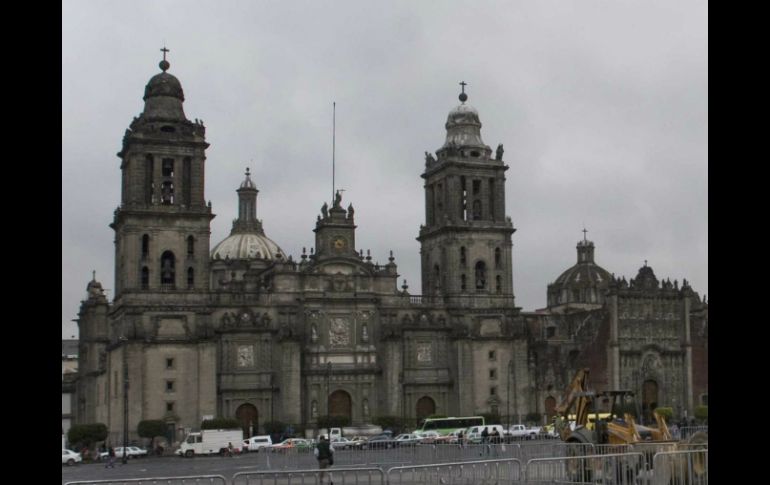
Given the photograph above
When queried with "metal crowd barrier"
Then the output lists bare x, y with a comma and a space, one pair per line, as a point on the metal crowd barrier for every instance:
608, 469
687, 431
681, 468
191, 480
340, 476
553, 450
497, 472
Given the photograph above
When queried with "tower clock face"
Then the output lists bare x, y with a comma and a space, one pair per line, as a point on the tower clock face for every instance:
339, 243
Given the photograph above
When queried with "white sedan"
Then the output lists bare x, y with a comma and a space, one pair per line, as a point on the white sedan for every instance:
131, 452
69, 457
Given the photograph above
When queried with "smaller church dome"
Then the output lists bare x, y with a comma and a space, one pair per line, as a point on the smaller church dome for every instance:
164, 84
585, 282
247, 182
247, 246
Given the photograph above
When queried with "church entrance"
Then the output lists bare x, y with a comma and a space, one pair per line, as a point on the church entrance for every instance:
248, 416
425, 407
340, 404
550, 407
649, 400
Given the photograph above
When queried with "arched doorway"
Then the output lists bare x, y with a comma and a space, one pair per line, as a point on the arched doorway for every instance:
248, 416
550, 407
649, 399
425, 407
340, 404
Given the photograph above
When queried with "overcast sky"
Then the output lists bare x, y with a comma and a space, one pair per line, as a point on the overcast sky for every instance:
601, 106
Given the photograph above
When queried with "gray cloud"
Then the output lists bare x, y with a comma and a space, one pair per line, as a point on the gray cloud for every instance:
602, 107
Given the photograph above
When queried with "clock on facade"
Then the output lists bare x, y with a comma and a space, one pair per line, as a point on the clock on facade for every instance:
339, 243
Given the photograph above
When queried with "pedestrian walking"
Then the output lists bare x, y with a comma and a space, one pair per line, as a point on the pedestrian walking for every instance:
110, 458
324, 453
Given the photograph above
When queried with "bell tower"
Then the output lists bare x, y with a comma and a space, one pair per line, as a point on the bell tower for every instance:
466, 239
162, 224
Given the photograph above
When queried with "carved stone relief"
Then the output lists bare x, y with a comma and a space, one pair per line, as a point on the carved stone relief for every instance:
339, 331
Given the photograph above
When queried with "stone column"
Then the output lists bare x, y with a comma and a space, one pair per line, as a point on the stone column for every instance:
614, 350
688, 357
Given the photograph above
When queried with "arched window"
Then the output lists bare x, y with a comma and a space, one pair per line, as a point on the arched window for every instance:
462, 255
190, 246
476, 210
190, 277
481, 275
167, 272
145, 246
498, 258
145, 278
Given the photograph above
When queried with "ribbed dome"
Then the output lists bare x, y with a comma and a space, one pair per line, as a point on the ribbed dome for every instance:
247, 246
584, 273
164, 84
463, 128
584, 282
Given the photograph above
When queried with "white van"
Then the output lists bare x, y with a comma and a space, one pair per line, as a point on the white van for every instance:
473, 434
256, 442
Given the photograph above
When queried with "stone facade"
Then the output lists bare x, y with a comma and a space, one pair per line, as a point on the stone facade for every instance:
246, 331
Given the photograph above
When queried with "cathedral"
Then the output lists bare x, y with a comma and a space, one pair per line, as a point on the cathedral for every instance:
240, 329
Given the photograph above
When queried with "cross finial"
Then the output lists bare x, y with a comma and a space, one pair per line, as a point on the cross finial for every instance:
164, 64
645, 262
463, 96
93, 273
247, 171
584, 233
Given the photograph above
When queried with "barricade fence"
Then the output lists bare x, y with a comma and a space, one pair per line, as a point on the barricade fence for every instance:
608, 469
687, 431
189, 480
497, 472
340, 475
681, 468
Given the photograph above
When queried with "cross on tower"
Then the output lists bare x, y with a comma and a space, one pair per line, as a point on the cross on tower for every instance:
645, 262
463, 84
164, 50
584, 234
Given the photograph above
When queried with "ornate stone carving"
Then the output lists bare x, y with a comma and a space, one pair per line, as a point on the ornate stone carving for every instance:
424, 352
339, 331
245, 356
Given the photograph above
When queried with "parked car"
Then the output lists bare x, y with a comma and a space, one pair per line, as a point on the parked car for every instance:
519, 431
407, 439
379, 442
291, 443
358, 442
69, 457
429, 437
256, 442
342, 443
131, 452
473, 434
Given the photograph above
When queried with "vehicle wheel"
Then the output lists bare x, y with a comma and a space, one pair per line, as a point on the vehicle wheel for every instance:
189, 453
70, 462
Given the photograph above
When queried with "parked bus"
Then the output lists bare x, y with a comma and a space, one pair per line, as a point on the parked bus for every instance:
444, 426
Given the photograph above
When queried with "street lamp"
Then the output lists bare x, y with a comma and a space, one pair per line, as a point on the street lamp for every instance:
124, 341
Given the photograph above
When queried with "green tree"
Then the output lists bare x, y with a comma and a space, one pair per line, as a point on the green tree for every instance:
221, 423
702, 414
333, 421
150, 428
389, 422
492, 418
666, 412
87, 434
532, 418
274, 427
